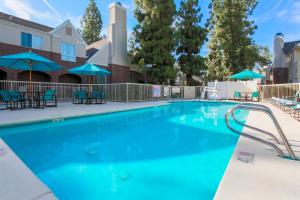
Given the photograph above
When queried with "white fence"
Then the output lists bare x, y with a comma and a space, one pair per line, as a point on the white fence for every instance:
226, 89
123, 92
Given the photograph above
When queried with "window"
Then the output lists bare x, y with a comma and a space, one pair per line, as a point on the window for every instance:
31, 41
68, 52
69, 31
26, 39
37, 42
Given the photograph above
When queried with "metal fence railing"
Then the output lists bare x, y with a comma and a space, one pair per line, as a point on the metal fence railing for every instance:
278, 90
121, 92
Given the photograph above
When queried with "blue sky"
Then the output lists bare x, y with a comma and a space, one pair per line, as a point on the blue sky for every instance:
271, 16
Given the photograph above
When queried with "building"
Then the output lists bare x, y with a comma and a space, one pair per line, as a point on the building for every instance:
111, 52
286, 66
65, 46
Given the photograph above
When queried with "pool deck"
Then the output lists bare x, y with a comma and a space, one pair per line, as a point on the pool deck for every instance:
267, 177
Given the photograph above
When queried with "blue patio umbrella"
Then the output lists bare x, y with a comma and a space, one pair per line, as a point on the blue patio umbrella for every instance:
28, 61
245, 75
90, 70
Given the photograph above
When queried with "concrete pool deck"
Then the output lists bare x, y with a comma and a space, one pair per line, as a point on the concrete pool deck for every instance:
267, 177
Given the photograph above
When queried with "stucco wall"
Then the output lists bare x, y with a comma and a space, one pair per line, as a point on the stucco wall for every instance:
59, 35
117, 34
102, 56
11, 34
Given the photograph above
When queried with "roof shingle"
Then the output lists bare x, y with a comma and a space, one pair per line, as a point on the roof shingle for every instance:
23, 22
289, 46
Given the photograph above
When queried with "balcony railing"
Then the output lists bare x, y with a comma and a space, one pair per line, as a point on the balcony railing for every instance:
121, 92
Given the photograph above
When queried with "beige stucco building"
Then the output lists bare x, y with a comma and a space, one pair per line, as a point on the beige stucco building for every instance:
286, 68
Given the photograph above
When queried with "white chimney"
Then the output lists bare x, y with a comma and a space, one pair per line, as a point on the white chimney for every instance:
278, 51
117, 34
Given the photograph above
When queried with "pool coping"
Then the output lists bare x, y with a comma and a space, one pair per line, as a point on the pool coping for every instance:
62, 117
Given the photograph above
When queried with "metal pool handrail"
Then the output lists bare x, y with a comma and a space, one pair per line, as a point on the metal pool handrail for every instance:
264, 109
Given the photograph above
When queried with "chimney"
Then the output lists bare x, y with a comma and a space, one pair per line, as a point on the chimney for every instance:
117, 34
278, 51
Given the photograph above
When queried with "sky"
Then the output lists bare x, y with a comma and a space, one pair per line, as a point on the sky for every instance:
271, 16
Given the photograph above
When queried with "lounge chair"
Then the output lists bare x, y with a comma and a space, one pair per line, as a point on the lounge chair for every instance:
295, 111
79, 96
255, 95
286, 102
237, 95
12, 99
98, 96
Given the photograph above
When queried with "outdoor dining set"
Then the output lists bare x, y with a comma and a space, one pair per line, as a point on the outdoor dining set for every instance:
32, 98
14, 99
246, 96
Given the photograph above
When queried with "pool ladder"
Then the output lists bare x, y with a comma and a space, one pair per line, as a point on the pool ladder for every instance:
264, 109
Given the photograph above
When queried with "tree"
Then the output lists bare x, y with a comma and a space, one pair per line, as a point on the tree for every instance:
233, 33
154, 37
265, 56
216, 70
190, 37
91, 23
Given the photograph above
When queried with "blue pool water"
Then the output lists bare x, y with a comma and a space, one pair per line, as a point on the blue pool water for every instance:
179, 151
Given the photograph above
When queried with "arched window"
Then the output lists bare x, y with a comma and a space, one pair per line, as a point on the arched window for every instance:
69, 78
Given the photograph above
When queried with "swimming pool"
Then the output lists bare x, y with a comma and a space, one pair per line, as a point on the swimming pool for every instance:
177, 151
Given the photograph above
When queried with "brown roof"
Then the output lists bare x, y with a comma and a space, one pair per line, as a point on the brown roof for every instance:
97, 44
289, 46
94, 47
23, 22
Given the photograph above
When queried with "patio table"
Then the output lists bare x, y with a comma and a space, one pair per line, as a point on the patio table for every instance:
34, 99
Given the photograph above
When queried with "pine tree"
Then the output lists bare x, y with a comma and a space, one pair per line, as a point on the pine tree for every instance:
154, 37
235, 31
233, 34
91, 23
216, 70
190, 37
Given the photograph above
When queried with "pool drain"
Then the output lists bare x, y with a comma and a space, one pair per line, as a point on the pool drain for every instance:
124, 176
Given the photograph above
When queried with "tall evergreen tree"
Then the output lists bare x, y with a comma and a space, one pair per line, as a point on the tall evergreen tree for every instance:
190, 37
216, 70
91, 23
233, 32
154, 37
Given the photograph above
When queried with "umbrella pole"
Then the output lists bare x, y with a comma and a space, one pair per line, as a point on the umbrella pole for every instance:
90, 83
30, 77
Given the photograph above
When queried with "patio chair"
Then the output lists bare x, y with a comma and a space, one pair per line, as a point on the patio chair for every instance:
12, 99
255, 95
237, 96
79, 96
98, 96
295, 111
48, 99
